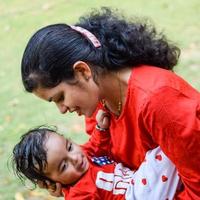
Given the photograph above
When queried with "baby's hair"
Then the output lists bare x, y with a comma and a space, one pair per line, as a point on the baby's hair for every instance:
29, 155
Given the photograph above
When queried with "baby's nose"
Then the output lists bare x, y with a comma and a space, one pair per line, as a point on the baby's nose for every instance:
73, 158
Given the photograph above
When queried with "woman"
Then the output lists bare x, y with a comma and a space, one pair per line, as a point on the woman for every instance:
105, 61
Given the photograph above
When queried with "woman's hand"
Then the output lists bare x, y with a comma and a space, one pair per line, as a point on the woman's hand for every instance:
54, 189
103, 119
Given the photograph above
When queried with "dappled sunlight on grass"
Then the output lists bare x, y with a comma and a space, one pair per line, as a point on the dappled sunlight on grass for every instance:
189, 66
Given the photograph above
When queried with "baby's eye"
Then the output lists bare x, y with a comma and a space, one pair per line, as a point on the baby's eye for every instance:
70, 148
64, 167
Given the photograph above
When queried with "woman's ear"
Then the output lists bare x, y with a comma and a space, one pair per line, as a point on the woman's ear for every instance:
82, 69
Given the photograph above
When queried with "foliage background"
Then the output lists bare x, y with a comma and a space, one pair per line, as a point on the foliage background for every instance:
19, 19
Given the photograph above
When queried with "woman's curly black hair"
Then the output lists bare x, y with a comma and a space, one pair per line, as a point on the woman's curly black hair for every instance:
29, 155
51, 52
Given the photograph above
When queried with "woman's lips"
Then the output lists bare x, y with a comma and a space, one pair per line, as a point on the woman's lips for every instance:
77, 110
79, 113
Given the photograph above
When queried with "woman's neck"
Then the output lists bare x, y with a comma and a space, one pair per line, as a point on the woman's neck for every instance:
113, 89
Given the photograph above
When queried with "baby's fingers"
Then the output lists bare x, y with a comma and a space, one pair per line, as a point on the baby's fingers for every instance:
42, 184
103, 119
56, 191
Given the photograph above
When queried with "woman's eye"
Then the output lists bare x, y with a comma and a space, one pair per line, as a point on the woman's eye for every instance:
60, 98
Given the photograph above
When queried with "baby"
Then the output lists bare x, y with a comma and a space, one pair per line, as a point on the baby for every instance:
43, 155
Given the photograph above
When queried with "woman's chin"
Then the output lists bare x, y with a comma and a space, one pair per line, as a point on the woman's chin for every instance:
86, 113
89, 114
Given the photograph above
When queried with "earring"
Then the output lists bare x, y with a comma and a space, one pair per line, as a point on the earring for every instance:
87, 78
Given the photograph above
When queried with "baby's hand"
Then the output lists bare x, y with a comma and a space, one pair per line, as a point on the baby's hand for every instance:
54, 189
103, 119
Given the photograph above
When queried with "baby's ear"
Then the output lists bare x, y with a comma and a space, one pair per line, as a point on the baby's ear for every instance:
82, 69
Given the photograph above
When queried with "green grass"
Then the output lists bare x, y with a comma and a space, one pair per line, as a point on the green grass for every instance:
20, 111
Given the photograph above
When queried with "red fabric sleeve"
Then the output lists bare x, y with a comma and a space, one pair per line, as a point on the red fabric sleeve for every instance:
173, 119
90, 124
98, 144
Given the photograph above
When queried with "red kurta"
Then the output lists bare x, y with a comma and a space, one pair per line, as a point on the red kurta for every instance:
160, 109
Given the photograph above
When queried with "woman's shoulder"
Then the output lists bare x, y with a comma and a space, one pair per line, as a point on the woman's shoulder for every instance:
151, 78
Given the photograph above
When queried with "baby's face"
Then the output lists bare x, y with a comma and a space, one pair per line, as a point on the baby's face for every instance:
66, 162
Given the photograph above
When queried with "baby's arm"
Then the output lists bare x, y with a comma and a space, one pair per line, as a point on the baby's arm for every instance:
99, 142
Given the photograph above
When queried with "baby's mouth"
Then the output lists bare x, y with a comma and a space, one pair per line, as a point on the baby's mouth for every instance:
81, 165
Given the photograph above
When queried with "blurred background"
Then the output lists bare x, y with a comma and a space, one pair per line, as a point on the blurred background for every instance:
19, 19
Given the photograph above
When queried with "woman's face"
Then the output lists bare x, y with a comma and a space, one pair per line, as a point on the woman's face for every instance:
82, 97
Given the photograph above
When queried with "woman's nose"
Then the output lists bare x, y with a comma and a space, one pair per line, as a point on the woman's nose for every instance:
62, 108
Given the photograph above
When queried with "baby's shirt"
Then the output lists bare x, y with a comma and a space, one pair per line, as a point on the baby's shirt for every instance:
155, 179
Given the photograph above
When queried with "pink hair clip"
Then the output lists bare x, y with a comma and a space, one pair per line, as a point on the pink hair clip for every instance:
88, 35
